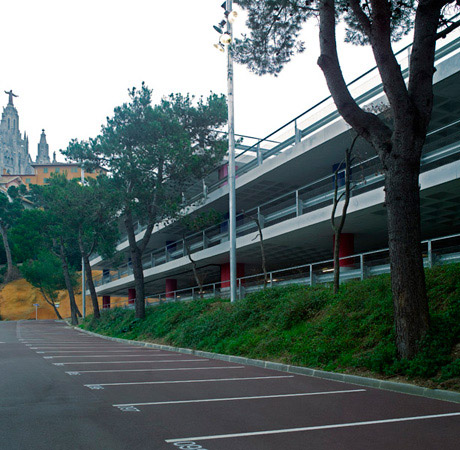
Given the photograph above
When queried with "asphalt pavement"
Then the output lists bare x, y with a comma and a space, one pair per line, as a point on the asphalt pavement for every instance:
63, 389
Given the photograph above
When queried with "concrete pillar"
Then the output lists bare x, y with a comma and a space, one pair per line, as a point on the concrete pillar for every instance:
131, 295
171, 286
225, 273
106, 302
347, 247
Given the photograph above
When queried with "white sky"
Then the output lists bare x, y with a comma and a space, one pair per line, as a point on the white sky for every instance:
71, 63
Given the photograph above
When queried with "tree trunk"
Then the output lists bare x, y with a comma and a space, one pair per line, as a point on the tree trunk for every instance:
51, 302
89, 280
404, 235
68, 283
9, 260
92, 289
336, 261
338, 228
262, 251
136, 261
195, 272
56, 311
138, 272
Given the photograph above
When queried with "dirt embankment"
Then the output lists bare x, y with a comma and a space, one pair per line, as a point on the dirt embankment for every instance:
18, 297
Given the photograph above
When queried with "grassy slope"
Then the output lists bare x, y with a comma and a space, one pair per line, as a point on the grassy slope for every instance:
352, 331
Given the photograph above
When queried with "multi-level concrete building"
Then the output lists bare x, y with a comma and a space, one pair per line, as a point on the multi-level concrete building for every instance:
286, 181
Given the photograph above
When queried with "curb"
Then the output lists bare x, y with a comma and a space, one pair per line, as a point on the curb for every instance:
403, 388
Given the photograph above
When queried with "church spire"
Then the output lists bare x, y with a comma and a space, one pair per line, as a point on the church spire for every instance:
43, 156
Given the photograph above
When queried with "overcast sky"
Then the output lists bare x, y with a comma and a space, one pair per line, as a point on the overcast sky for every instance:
71, 63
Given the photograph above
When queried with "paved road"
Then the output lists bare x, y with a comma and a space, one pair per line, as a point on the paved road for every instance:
62, 389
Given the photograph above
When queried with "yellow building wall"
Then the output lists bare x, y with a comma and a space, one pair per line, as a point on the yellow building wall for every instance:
44, 173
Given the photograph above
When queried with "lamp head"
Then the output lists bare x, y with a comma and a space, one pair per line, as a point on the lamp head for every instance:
219, 47
232, 16
225, 39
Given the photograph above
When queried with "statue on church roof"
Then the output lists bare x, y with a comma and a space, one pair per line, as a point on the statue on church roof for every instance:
10, 96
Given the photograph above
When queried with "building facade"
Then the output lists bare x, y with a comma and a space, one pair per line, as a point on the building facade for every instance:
288, 184
42, 172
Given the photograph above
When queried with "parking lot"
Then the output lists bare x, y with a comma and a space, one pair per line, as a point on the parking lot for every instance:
105, 394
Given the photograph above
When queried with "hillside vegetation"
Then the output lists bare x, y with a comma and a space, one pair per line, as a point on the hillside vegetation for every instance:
310, 326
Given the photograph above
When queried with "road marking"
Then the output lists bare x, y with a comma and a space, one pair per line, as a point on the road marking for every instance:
85, 348
228, 399
109, 356
154, 370
90, 351
320, 427
209, 380
129, 409
131, 362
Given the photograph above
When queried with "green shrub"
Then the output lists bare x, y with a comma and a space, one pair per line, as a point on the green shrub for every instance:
308, 326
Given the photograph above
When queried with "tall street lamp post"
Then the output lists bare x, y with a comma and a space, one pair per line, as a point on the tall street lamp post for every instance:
83, 275
231, 161
226, 40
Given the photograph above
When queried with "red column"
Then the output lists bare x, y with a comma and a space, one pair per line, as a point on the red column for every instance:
347, 247
106, 302
223, 173
131, 295
171, 286
225, 273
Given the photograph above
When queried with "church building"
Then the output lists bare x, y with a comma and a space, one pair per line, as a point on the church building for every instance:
16, 165
14, 148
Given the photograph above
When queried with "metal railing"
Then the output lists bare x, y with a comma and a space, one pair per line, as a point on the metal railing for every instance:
437, 251
366, 175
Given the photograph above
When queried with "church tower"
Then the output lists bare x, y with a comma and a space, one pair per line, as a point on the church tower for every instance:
14, 150
43, 156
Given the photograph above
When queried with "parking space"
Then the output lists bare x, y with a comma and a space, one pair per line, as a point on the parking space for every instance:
189, 402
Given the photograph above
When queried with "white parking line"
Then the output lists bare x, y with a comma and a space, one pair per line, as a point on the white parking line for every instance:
320, 427
209, 380
228, 399
86, 347
57, 342
89, 351
130, 362
109, 356
155, 370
